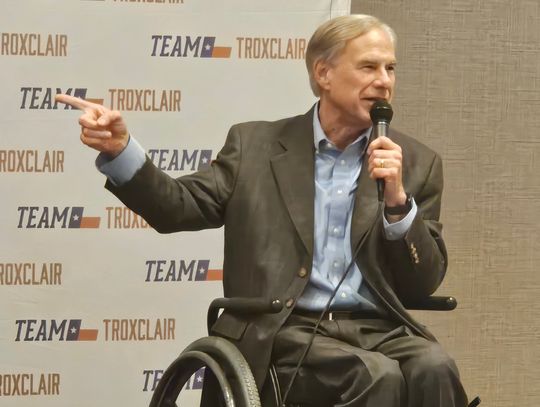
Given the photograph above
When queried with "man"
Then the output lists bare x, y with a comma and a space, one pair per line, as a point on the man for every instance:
299, 204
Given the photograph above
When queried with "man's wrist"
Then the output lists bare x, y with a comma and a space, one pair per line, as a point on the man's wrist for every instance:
119, 147
399, 209
396, 226
123, 167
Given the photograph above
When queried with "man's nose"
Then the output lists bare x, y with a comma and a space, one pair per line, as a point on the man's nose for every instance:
383, 78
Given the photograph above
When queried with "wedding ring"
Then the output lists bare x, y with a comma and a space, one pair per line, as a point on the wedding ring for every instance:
381, 164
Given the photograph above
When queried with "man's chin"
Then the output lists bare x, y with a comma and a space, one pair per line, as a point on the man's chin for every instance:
363, 117
361, 121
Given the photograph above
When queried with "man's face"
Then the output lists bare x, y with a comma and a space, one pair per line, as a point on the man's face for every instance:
362, 74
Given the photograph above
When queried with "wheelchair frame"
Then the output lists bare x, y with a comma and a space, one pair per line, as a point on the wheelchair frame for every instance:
228, 366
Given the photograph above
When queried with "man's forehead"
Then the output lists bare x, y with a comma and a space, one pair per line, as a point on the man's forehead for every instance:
371, 46
376, 57
373, 36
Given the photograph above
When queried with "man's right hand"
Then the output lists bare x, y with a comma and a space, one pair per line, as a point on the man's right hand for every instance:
101, 128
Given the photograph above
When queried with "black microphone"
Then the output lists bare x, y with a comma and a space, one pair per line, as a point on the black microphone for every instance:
381, 114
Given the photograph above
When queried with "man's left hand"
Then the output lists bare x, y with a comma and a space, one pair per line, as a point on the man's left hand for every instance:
385, 162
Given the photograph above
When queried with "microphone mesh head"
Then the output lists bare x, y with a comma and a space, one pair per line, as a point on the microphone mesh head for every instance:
381, 111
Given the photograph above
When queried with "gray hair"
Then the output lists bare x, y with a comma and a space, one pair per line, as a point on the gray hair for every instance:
329, 40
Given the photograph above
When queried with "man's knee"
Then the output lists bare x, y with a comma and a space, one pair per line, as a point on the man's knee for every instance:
433, 362
370, 380
386, 372
433, 378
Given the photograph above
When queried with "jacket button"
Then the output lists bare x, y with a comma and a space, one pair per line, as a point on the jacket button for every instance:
289, 303
276, 305
302, 272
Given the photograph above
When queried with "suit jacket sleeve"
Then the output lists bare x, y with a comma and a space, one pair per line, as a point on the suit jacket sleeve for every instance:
418, 262
191, 202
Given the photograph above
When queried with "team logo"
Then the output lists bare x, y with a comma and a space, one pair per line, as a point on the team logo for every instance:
72, 217
181, 270
188, 46
55, 217
180, 160
124, 99
115, 329
152, 378
46, 330
42, 98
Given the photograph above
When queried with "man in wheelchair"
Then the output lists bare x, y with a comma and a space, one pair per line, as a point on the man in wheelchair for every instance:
307, 226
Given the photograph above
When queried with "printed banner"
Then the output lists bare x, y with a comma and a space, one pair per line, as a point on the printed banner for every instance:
94, 304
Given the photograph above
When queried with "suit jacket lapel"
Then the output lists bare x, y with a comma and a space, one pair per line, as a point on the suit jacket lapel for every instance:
293, 165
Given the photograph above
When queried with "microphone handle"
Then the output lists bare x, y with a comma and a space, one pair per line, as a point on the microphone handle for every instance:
380, 190
381, 129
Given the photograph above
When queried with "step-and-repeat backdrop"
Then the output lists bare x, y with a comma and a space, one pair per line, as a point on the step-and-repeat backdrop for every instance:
94, 304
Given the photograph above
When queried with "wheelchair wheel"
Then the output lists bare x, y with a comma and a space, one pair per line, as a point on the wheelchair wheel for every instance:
227, 364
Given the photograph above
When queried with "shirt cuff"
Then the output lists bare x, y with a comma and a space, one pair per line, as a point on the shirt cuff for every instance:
123, 167
397, 230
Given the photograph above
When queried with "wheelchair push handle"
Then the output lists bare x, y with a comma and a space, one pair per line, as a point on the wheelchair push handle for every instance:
253, 305
433, 303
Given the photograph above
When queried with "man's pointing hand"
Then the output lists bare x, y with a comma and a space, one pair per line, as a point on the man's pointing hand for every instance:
101, 128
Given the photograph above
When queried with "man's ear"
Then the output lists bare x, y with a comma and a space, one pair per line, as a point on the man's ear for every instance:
322, 74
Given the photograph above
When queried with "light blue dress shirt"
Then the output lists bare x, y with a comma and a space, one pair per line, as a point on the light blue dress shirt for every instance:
336, 179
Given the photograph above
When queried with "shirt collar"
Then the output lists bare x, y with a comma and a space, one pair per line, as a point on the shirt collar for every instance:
320, 136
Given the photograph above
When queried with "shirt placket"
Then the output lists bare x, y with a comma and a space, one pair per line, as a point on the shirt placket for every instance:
340, 206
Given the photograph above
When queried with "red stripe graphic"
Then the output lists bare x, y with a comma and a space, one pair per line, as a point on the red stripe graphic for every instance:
88, 335
90, 222
221, 52
214, 275
97, 101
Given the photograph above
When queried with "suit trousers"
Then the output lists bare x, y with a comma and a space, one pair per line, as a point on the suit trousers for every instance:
364, 363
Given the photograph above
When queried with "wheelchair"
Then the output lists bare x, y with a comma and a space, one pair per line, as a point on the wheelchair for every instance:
226, 367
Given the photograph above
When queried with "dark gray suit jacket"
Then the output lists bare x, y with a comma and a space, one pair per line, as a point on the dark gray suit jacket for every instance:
261, 188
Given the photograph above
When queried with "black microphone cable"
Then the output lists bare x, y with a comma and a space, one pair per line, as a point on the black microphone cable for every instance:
321, 316
381, 114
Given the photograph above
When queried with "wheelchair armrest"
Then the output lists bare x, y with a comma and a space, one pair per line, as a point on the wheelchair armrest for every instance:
257, 305
242, 305
433, 303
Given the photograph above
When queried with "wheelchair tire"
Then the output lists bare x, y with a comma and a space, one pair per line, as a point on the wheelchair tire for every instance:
235, 367
178, 374
226, 363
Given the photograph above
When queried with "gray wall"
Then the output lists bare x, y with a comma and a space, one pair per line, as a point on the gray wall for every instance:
469, 87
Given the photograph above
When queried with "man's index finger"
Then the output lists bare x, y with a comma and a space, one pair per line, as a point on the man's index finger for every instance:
73, 101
